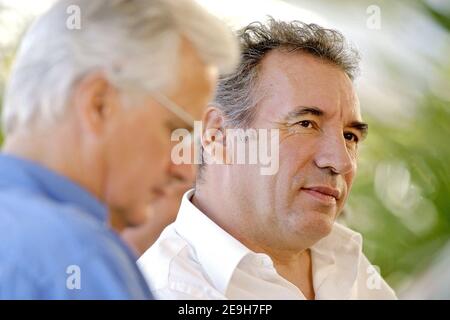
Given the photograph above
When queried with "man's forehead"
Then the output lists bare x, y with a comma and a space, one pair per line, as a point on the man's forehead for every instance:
288, 80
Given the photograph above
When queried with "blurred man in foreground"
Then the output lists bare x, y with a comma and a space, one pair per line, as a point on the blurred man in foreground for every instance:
88, 113
249, 231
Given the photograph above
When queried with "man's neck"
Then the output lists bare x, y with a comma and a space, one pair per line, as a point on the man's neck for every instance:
293, 265
298, 271
54, 155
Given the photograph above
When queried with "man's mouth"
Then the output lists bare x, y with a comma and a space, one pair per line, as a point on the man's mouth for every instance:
155, 193
324, 194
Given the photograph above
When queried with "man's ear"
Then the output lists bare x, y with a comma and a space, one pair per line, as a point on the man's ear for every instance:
94, 101
213, 136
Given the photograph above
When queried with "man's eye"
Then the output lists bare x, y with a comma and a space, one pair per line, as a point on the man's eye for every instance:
306, 124
351, 137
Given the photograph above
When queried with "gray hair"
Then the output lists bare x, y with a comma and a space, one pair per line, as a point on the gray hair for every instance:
236, 94
133, 42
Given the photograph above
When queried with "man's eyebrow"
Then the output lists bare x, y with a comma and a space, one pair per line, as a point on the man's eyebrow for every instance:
304, 110
362, 127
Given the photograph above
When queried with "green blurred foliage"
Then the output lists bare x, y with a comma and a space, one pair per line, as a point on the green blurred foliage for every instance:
400, 200
9, 49
1, 102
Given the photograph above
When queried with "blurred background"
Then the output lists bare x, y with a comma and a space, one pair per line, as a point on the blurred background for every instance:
401, 197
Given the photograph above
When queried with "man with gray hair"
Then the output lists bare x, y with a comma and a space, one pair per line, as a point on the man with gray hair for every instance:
244, 233
88, 112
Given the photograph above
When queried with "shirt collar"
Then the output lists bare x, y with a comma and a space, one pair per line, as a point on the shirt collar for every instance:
335, 257
19, 172
217, 251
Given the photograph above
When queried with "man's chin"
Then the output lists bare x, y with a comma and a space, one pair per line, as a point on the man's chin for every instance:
137, 217
318, 225
122, 217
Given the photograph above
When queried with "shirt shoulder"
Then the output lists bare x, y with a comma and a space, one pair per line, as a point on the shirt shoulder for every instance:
44, 243
32, 225
172, 270
370, 283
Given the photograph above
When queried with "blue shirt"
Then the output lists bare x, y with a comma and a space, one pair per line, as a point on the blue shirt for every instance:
55, 242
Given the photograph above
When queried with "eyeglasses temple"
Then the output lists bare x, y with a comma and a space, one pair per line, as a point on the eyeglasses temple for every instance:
166, 102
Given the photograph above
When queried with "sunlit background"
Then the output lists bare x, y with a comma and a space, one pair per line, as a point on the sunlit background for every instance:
401, 197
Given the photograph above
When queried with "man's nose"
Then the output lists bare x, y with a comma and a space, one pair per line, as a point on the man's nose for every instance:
333, 154
182, 172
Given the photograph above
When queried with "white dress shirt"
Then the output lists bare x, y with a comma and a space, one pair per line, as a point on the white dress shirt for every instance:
195, 259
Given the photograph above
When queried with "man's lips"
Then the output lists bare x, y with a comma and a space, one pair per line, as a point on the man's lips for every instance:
323, 193
154, 194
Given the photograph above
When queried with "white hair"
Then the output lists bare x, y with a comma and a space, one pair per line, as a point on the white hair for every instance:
133, 42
